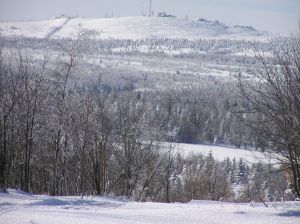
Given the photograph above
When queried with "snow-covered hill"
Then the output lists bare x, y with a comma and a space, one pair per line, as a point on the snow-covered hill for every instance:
17, 207
132, 28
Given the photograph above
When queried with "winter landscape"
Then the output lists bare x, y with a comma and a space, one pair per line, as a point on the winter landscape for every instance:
149, 112
19, 207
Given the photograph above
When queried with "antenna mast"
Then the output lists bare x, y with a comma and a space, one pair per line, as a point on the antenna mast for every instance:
150, 8
299, 22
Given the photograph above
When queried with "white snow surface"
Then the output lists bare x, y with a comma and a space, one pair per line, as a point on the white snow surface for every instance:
17, 207
219, 152
131, 28
39, 29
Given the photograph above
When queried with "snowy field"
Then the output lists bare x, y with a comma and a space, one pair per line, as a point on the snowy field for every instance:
132, 28
20, 208
221, 152
157, 53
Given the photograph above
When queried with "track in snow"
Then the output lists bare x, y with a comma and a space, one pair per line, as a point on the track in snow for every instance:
58, 28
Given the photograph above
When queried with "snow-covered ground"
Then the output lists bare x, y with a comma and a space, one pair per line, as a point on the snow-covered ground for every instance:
20, 208
166, 62
132, 28
39, 29
221, 152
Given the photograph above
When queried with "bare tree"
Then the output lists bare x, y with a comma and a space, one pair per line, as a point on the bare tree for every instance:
8, 100
62, 76
273, 105
29, 100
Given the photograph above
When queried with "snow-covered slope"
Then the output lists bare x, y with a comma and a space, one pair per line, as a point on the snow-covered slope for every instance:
222, 152
20, 208
39, 29
219, 152
132, 28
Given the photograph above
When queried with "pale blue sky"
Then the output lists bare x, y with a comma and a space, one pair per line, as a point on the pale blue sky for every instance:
279, 16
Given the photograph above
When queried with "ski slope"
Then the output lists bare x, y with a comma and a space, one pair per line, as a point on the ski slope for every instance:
132, 28
17, 207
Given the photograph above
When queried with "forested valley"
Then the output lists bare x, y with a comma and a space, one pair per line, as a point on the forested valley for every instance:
68, 128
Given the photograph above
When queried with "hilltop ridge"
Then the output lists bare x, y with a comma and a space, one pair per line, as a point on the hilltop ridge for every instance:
132, 28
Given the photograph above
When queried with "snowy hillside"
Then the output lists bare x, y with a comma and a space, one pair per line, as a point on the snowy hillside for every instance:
220, 152
18, 208
132, 28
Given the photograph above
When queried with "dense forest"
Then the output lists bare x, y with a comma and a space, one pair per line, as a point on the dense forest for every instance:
62, 134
